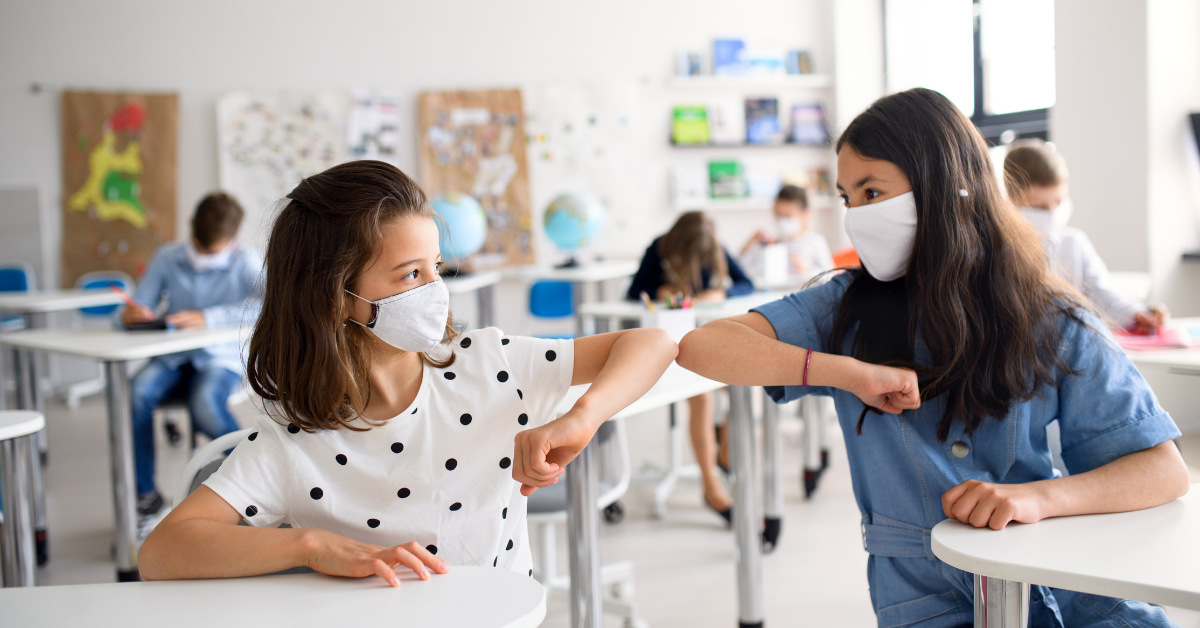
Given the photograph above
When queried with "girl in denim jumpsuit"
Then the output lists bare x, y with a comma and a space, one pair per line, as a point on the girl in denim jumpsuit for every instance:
971, 442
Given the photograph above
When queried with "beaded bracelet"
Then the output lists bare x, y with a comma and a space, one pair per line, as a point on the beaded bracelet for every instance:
807, 361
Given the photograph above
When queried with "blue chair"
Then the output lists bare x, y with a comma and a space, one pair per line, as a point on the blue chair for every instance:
97, 280
552, 300
15, 277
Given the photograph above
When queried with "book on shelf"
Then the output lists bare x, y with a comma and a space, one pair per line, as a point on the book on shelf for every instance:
689, 184
799, 62
726, 122
762, 121
808, 124
726, 179
729, 57
689, 125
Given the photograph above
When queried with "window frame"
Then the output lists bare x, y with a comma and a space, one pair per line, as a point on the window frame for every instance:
1032, 123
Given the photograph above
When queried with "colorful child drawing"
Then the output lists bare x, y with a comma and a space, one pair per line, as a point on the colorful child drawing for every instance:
113, 186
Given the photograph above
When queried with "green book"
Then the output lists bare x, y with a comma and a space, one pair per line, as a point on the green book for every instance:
726, 179
689, 125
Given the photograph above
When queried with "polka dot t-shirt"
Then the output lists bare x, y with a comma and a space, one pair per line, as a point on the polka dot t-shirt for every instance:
440, 473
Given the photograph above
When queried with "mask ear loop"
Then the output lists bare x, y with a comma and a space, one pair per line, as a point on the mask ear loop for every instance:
374, 312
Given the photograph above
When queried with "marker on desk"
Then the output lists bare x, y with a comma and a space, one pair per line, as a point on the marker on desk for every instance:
646, 302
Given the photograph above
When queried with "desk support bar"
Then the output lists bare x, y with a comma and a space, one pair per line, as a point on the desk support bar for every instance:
18, 458
1001, 603
772, 476
747, 518
583, 541
120, 451
27, 398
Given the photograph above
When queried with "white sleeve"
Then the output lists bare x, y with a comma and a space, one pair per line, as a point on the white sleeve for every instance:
1098, 286
542, 369
254, 478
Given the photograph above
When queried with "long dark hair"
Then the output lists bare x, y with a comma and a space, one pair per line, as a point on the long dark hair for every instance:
978, 287
690, 248
302, 354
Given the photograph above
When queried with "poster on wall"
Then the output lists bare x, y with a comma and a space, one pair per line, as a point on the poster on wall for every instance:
373, 125
473, 143
119, 178
268, 141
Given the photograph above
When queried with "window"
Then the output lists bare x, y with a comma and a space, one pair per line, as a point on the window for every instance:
994, 59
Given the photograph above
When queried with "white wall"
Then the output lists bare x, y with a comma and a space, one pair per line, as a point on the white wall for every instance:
202, 49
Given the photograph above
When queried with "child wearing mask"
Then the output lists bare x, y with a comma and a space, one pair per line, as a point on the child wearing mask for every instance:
1035, 176
209, 281
808, 252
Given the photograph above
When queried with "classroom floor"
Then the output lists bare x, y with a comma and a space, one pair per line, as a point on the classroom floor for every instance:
817, 576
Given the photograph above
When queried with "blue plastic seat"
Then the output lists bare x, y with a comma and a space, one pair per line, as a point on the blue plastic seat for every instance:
552, 300
103, 279
15, 277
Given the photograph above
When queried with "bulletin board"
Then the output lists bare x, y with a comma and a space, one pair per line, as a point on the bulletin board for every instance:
119, 175
473, 142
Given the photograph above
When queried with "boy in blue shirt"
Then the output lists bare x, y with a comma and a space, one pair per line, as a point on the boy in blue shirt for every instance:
208, 281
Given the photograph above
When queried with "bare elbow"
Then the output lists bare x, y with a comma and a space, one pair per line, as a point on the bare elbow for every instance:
662, 342
690, 350
1176, 474
149, 560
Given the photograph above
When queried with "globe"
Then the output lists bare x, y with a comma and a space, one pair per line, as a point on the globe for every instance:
574, 220
463, 227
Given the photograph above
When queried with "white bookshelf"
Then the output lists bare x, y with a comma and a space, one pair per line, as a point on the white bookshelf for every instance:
711, 82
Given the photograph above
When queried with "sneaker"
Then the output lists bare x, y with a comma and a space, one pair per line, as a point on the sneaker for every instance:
147, 523
149, 503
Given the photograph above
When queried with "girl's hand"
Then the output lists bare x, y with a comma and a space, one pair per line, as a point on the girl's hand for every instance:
335, 555
993, 505
1151, 320
542, 453
892, 390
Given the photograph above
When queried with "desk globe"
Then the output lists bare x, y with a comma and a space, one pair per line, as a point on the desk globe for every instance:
573, 221
462, 229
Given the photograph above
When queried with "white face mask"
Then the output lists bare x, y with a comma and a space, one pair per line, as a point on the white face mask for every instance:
414, 320
787, 228
210, 261
1049, 221
882, 234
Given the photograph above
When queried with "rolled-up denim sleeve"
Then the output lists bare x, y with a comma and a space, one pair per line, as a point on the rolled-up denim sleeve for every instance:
804, 319
1106, 409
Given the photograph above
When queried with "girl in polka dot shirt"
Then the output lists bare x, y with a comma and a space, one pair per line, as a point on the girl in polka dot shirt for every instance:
389, 440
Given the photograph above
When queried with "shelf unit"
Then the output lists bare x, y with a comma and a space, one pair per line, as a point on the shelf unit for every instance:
748, 83
749, 145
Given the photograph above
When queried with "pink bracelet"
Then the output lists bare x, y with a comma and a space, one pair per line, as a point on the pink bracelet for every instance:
807, 361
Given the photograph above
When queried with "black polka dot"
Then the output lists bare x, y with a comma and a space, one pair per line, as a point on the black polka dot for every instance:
551, 355
504, 341
432, 549
520, 394
455, 506
252, 436
504, 462
465, 419
372, 523
293, 429
523, 419
509, 545
504, 514
466, 342
414, 411
316, 493
448, 375
502, 376
397, 447
495, 560
450, 464
402, 493
251, 511
530, 573
341, 459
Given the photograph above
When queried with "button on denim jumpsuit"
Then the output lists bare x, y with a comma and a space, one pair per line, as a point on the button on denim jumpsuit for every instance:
900, 469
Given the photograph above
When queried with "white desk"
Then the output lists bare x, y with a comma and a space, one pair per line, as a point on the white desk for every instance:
467, 597
115, 348
592, 273
583, 521
44, 301
1148, 555
1174, 375
615, 311
483, 285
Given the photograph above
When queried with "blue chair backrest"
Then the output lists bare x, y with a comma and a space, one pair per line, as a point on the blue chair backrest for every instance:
98, 283
15, 279
552, 299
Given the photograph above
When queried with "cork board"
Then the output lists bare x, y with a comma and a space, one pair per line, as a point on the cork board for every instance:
473, 142
119, 177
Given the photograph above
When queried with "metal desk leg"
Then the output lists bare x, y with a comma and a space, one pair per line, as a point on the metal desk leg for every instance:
28, 399
18, 457
486, 300
577, 297
746, 515
583, 541
1001, 603
120, 452
772, 475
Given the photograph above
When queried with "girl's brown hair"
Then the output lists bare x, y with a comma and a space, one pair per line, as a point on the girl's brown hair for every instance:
303, 356
978, 288
1032, 163
690, 248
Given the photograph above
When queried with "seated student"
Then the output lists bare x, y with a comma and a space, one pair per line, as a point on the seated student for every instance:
808, 252
389, 440
208, 281
1036, 178
956, 324
689, 260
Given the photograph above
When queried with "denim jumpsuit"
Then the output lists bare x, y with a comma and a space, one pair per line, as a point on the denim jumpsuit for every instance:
900, 469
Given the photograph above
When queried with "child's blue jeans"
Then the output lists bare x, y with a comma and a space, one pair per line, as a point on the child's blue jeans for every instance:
207, 393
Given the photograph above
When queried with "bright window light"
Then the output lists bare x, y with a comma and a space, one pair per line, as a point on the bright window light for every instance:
1017, 38
930, 43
